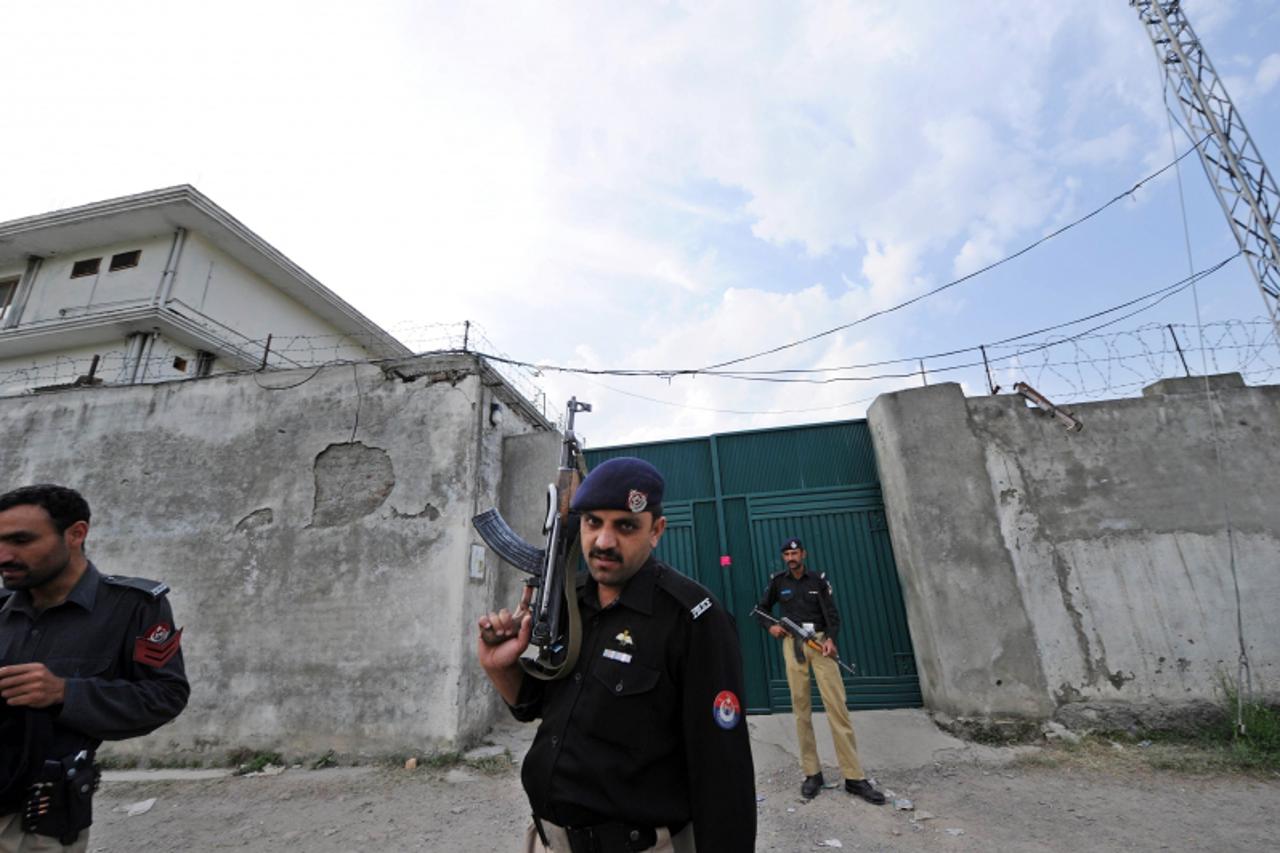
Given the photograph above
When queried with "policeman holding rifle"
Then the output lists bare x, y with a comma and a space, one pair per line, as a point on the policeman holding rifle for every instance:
84, 657
805, 599
642, 744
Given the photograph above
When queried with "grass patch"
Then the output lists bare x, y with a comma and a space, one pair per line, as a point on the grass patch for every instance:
249, 761
152, 762
1256, 745
329, 759
492, 765
442, 760
117, 762
1216, 749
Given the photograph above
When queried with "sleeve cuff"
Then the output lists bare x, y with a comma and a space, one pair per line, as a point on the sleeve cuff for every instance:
73, 701
528, 704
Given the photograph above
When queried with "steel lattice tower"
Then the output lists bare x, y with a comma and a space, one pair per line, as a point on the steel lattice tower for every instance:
1243, 183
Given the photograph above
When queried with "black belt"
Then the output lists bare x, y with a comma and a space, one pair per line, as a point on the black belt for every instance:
614, 837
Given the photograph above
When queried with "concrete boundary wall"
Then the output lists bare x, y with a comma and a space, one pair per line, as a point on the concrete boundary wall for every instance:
314, 526
1045, 570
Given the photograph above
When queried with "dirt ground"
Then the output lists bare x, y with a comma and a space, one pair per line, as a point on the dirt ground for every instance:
964, 797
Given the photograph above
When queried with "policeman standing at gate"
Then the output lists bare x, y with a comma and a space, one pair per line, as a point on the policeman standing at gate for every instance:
806, 598
84, 657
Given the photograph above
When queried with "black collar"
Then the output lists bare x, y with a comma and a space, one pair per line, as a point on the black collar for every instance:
84, 594
636, 595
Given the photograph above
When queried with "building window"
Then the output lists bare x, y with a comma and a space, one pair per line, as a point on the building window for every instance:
124, 260
80, 269
8, 287
204, 362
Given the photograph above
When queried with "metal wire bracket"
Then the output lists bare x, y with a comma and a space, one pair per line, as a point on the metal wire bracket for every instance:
1072, 422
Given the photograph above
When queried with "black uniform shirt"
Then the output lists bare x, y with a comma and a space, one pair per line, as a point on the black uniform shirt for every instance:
648, 729
803, 599
100, 640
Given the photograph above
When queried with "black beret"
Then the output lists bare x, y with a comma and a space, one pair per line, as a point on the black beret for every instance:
623, 483
793, 544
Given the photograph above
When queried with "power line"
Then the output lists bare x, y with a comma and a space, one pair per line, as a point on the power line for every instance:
845, 405
1186, 283
750, 376
1176, 286
1126, 194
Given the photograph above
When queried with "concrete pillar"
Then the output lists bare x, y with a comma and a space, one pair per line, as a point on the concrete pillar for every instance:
975, 646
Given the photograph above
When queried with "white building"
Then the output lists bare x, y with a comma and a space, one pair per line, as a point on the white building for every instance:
159, 286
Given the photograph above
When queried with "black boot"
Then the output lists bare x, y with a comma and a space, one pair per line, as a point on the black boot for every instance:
812, 785
863, 788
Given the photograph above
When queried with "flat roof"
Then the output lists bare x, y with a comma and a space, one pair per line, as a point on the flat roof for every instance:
162, 211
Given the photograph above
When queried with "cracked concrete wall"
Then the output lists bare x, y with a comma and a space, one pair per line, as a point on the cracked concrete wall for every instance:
315, 530
1043, 568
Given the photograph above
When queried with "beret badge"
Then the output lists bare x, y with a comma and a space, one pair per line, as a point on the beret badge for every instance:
637, 500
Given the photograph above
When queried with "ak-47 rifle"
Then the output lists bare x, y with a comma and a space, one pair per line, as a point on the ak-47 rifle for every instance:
556, 626
807, 636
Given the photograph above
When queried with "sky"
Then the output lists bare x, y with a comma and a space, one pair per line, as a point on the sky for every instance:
666, 186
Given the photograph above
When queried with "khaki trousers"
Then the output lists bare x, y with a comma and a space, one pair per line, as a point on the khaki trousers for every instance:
831, 689
681, 843
14, 840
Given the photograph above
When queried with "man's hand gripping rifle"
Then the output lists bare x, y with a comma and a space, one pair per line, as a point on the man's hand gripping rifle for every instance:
556, 625
798, 632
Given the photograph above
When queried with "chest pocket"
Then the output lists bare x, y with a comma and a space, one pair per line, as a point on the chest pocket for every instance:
81, 667
625, 679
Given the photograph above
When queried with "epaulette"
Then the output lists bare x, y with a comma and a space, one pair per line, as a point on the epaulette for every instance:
687, 592
778, 574
154, 589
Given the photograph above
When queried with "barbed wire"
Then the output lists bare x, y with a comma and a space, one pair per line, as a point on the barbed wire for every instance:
1068, 369
166, 362
1117, 363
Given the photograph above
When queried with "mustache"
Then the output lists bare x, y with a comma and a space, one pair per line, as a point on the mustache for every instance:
606, 554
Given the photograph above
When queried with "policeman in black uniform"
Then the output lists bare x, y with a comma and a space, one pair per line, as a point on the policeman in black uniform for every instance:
643, 746
805, 597
84, 657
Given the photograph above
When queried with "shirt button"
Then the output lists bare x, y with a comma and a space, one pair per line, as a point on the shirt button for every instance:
555, 740
617, 688
577, 676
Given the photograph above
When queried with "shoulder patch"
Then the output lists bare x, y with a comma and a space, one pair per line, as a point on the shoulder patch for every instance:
701, 607
687, 592
154, 589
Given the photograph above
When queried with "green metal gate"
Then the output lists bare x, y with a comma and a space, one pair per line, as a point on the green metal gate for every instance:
733, 498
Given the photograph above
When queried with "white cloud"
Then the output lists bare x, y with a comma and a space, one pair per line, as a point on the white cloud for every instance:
1267, 75
620, 185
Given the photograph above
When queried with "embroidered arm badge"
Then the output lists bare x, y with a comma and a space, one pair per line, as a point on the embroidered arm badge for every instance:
157, 645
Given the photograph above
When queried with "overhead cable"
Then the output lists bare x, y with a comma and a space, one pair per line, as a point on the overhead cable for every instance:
1159, 296
1027, 248
1176, 286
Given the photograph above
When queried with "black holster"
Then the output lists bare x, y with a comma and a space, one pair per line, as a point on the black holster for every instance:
59, 802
